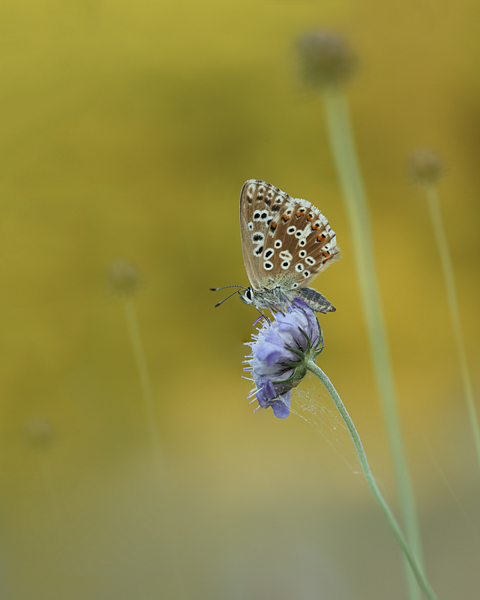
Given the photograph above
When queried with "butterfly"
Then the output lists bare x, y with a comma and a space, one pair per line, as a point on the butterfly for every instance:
286, 243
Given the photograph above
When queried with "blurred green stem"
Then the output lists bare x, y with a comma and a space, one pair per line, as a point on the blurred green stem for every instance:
394, 526
48, 481
171, 524
341, 141
441, 239
142, 370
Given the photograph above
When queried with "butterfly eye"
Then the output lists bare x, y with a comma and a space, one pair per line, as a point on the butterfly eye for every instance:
248, 294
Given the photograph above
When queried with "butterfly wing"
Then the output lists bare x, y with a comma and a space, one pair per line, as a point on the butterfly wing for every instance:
286, 241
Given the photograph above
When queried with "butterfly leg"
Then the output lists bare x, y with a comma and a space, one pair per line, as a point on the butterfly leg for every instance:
262, 316
315, 300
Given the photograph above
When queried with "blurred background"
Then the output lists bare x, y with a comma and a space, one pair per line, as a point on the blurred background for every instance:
127, 132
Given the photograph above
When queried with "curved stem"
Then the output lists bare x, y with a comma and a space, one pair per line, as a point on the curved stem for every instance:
394, 526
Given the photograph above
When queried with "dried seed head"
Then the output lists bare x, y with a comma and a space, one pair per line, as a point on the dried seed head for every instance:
426, 168
122, 277
325, 58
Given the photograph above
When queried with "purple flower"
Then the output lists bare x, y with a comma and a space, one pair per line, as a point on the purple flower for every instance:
281, 350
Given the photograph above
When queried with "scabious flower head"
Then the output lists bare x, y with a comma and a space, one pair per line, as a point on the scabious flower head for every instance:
325, 58
426, 168
281, 350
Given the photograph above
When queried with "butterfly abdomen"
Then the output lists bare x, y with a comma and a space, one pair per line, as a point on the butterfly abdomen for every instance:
315, 300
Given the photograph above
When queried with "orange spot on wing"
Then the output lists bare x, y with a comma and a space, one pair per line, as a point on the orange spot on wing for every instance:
273, 226
310, 218
285, 217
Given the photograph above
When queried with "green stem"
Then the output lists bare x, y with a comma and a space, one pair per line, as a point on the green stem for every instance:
48, 481
341, 141
394, 526
142, 370
441, 239
153, 438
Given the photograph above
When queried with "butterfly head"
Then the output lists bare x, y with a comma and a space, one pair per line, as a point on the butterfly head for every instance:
247, 296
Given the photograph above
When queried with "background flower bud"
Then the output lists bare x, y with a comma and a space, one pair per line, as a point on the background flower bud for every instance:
325, 58
426, 168
123, 277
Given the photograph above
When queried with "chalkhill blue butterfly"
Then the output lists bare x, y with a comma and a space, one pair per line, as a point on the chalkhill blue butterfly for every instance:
286, 243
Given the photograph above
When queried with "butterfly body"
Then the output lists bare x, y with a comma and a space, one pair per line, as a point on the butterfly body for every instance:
286, 243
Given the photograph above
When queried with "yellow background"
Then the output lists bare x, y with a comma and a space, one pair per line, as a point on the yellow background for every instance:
127, 131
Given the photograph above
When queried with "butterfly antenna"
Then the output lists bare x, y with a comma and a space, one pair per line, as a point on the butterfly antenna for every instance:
228, 286
232, 294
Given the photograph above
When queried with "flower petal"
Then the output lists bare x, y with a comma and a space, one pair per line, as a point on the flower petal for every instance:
281, 407
268, 353
266, 393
